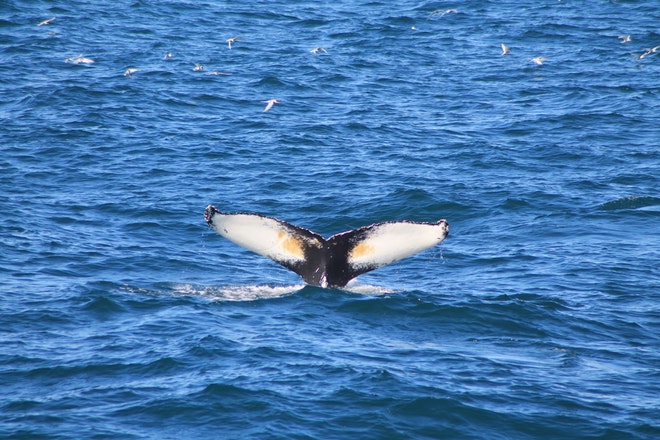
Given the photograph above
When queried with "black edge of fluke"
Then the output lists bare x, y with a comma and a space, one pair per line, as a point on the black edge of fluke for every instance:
208, 214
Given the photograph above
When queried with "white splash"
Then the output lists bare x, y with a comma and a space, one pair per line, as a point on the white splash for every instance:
236, 293
355, 286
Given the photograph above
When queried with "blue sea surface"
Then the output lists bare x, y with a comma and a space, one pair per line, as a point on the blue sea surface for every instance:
123, 315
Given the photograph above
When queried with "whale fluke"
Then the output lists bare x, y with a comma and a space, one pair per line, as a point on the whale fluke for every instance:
331, 262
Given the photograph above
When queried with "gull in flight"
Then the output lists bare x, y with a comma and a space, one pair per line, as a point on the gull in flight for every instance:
79, 60
442, 12
648, 51
45, 22
168, 56
505, 49
130, 71
232, 40
270, 103
198, 67
538, 60
625, 38
318, 50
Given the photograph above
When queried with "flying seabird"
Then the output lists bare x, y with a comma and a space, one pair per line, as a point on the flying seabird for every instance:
270, 103
79, 60
232, 40
45, 22
442, 12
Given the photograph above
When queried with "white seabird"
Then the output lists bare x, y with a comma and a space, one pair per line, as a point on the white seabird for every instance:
270, 103
232, 40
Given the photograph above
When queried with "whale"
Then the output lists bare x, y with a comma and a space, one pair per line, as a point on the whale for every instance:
326, 262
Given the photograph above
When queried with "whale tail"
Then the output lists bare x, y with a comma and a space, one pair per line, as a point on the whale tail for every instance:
331, 262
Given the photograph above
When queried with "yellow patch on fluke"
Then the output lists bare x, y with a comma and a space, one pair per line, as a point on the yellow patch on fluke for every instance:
291, 245
361, 250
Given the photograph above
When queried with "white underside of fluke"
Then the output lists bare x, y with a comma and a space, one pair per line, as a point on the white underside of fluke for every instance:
263, 235
390, 242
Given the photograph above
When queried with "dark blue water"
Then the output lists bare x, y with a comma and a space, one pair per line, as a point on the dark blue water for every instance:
122, 315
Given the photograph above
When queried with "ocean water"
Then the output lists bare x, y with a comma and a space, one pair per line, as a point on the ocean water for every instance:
122, 315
